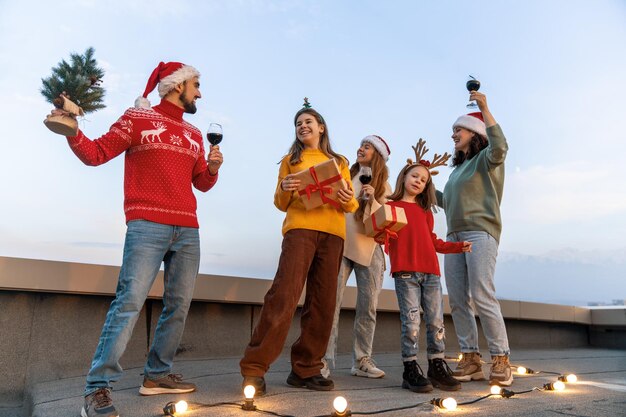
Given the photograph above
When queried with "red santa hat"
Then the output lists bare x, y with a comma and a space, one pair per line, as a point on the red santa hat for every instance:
379, 144
473, 122
167, 75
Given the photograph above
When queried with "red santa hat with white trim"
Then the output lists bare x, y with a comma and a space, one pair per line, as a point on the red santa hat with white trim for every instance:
379, 144
167, 75
473, 122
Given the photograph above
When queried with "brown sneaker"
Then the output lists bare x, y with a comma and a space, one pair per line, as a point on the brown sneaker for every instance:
469, 368
500, 371
99, 404
171, 384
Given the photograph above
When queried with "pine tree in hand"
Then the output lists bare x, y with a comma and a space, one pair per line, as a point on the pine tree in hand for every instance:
74, 89
79, 81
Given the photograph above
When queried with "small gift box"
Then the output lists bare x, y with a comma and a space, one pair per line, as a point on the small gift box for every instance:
384, 223
320, 184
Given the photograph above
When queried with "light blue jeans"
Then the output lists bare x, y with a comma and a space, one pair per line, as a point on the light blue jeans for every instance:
147, 245
415, 290
470, 276
369, 282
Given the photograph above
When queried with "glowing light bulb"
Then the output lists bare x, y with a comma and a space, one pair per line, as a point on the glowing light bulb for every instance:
248, 403
172, 408
554, 386
449, 403
569, 378
340, 405
249, 392
496, 390
181, 406
460, 356
521, 370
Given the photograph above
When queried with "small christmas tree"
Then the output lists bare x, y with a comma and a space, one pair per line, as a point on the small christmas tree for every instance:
78, 81
74, 88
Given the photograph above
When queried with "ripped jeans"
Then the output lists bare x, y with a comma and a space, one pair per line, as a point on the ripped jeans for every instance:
415, 290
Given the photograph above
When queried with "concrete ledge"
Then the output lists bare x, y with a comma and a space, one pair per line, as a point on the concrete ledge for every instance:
76, 278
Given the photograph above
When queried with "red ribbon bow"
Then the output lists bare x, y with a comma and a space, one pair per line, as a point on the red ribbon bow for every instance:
424, 163
320, 187
389, 234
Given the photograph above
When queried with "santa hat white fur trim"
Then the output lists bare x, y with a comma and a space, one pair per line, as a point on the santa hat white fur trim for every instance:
379, 144
471, 123
168, 83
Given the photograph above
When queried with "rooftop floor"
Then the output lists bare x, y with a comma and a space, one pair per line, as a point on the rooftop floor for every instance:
600, 391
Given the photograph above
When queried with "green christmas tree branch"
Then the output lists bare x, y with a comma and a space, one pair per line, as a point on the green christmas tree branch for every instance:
79, 80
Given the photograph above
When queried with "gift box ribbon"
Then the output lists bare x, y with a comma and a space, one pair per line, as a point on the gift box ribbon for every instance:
389, 234
321, 188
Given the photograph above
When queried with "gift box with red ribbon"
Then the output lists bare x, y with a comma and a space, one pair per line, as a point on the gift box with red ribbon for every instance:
383, 224
320, 184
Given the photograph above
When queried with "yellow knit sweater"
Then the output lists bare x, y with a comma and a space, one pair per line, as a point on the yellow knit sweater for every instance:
325, 218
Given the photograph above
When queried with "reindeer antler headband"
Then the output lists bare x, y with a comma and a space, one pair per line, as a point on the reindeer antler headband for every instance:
420, 151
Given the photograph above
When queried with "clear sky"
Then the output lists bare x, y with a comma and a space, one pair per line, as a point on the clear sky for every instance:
554, 73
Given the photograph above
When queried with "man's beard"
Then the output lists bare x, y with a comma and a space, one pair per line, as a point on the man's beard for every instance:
189, 106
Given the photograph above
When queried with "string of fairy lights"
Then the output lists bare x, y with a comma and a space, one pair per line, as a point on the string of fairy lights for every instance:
340, 404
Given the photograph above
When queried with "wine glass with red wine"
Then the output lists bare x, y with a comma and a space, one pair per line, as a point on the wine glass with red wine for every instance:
472, 85
365, 175
214, 134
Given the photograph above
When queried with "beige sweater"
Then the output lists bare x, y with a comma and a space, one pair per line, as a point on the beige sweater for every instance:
358, 247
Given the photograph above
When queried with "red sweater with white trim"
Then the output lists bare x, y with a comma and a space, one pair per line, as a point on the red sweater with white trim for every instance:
415, 248
164, 157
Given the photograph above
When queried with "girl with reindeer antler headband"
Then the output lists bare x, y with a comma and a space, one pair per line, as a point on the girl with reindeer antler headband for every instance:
415, 270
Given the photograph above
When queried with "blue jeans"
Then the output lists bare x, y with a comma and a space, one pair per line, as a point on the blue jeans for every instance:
415, 290
470, 276
147, 245
369, 282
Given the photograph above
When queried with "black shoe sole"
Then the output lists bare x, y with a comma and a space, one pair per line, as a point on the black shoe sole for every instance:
296, 381
444, 387
417, 388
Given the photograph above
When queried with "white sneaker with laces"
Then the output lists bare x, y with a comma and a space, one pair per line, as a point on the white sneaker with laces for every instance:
367, 368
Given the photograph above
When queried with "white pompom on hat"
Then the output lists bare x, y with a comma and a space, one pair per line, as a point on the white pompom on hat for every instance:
167, 75
473, 122
379, 144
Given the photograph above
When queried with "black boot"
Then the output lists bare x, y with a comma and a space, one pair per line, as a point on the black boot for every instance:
440, 375
413, 378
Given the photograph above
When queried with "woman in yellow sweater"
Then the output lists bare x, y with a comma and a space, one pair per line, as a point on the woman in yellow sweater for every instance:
311, 254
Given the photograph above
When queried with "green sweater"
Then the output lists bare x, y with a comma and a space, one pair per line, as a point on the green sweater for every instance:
472, 195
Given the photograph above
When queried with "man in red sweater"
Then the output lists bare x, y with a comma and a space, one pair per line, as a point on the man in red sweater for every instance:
164, 157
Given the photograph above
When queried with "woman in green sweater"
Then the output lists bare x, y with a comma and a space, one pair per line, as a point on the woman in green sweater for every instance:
471, 200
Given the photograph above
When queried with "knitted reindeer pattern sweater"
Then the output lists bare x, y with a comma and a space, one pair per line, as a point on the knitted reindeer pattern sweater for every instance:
164, 157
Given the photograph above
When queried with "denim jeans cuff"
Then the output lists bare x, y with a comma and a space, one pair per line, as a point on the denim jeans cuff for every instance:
439, 355
93, 389
156, 377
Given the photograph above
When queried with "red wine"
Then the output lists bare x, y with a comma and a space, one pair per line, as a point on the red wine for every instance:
472, 85
214, 138
365, 179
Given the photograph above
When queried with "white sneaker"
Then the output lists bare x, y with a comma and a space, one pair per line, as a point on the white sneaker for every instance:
367, 368
325, 371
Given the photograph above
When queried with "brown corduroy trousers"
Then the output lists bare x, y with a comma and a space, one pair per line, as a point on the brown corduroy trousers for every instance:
310, 257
